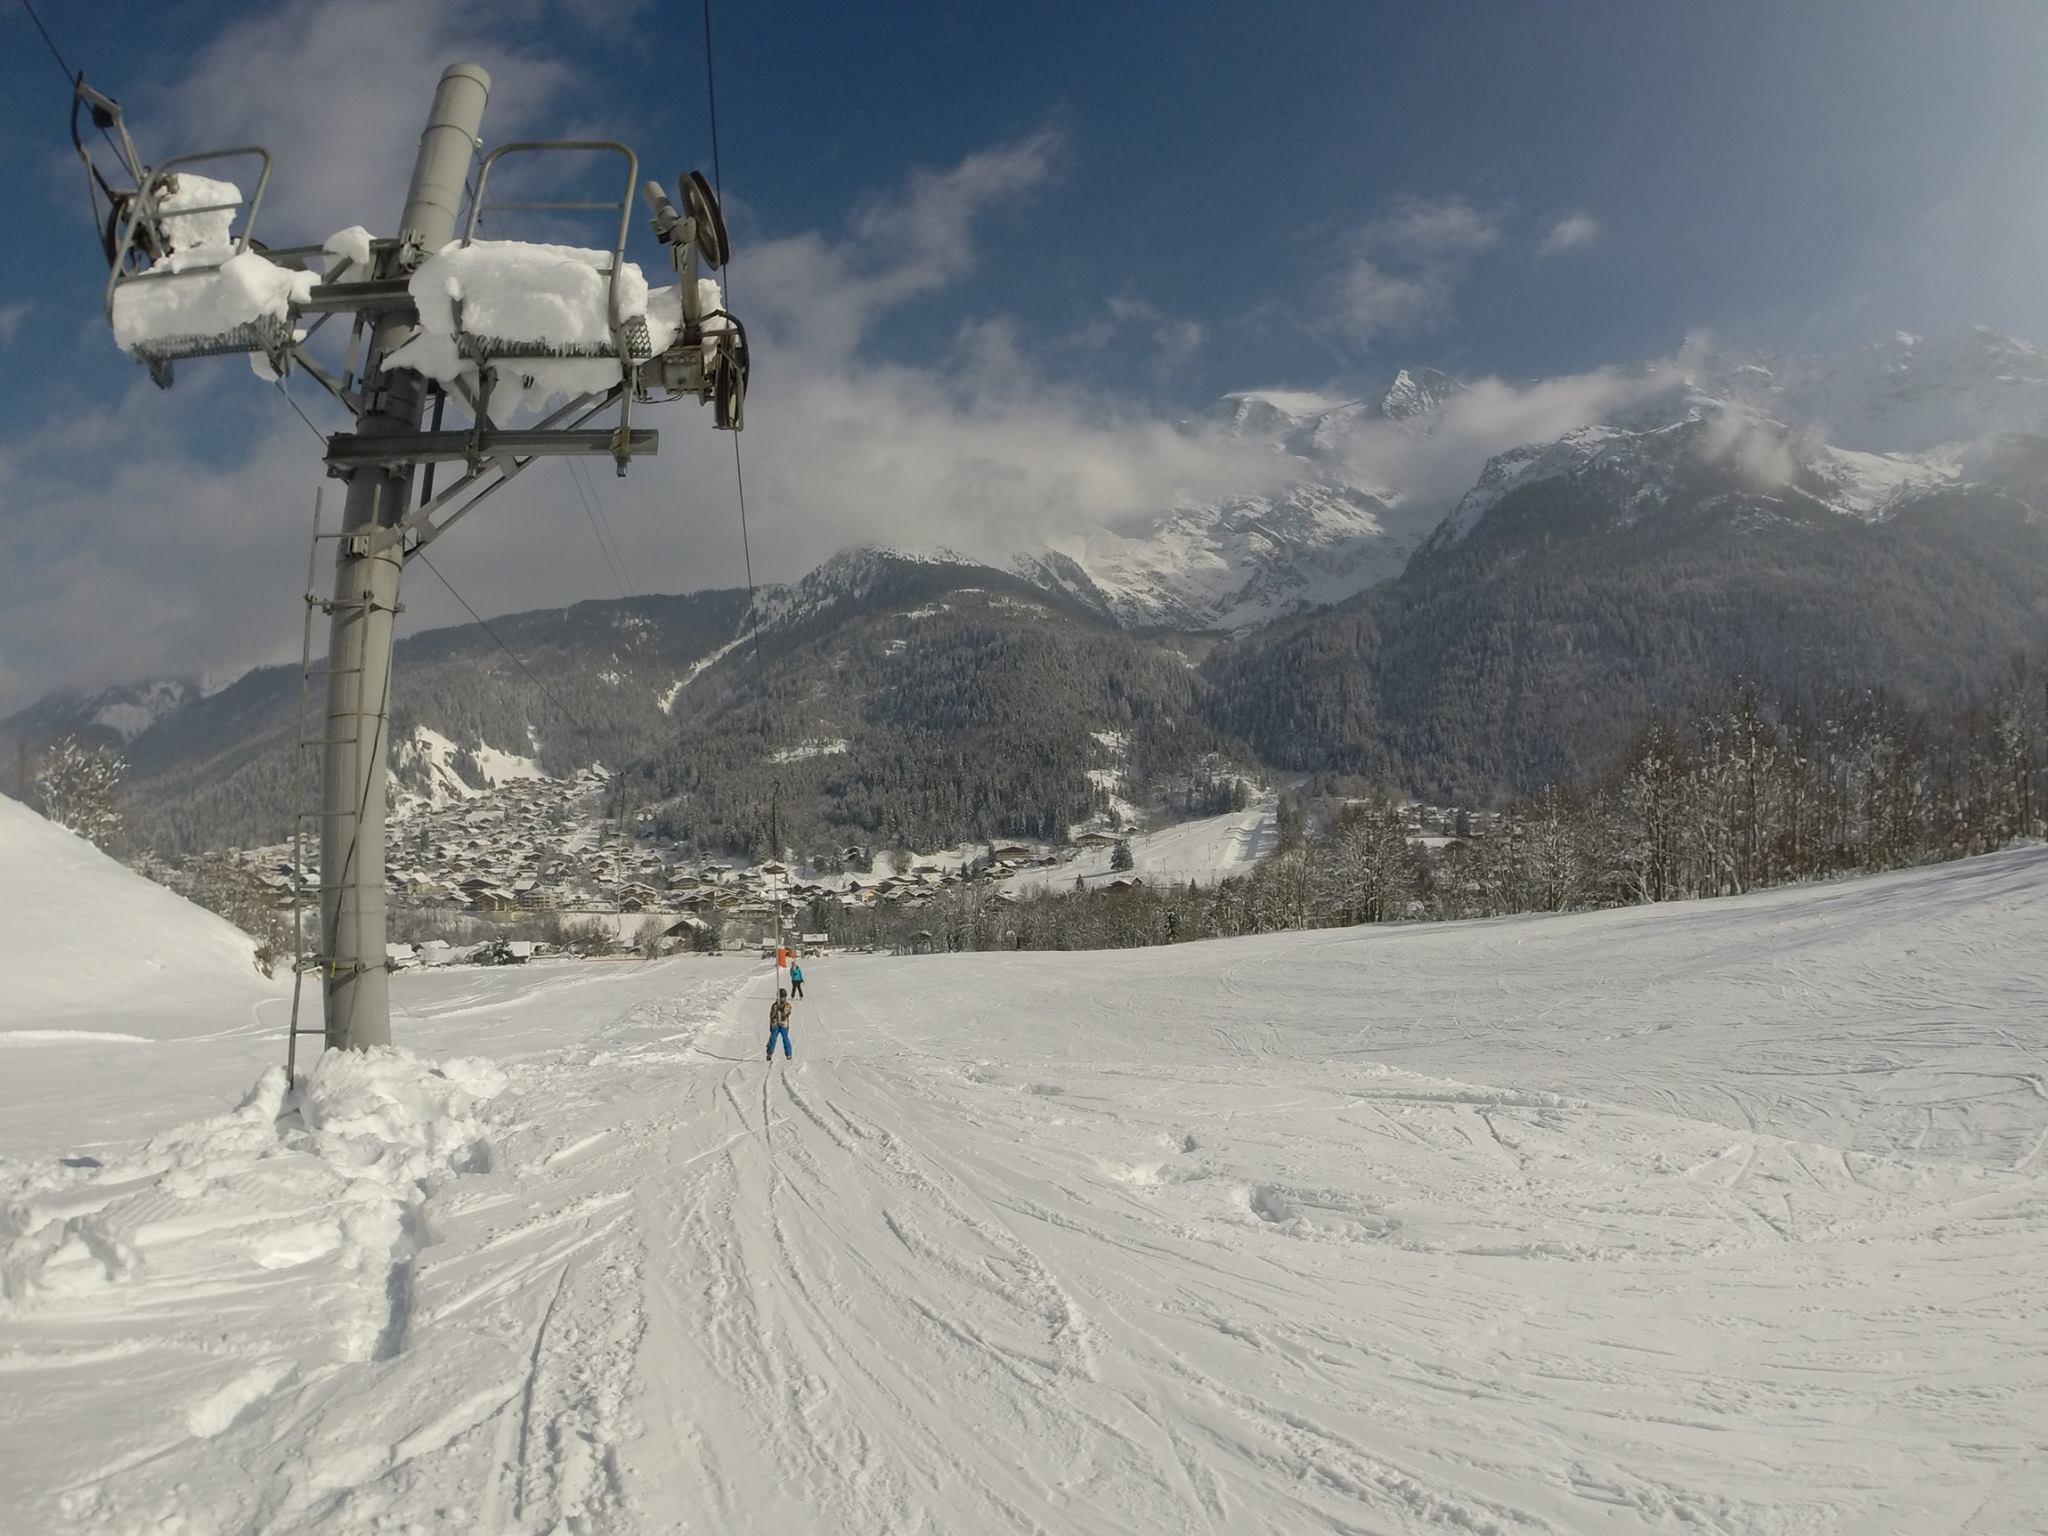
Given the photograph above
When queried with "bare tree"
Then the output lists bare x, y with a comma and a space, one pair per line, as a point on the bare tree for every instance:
78, 786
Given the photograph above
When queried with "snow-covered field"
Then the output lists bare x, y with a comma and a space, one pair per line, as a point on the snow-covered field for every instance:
1200, 852
1722, 1217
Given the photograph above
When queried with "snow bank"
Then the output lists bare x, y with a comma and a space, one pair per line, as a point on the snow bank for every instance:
329, 1173
802, 750
84, 940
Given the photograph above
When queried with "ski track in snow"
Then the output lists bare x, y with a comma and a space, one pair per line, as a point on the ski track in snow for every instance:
1722, 1217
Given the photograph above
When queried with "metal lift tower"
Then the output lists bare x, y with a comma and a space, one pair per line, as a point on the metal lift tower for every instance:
162, 230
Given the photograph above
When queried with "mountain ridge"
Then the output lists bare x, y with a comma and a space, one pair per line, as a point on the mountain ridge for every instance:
1705, 523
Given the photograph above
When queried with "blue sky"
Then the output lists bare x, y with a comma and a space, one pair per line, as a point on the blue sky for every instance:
962, 220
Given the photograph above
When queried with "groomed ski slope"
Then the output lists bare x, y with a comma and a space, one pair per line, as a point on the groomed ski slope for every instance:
1197, 852
1723, 1217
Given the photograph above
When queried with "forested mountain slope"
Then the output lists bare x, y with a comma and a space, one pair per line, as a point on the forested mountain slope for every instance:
902, 701
1526, 649
218, 771
1872, 519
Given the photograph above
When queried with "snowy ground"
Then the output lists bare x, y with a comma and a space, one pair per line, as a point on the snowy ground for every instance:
1200, 852
1721, 1217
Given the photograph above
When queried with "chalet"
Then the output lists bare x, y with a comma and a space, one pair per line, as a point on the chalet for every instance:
1096, 840
1014, 852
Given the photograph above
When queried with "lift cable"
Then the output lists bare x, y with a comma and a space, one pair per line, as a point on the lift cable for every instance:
739, 473
725, 276
48, 41
484, 624
600, 525
595, 487
71, 76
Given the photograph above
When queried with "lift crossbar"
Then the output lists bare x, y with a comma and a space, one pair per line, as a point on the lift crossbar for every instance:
356, 452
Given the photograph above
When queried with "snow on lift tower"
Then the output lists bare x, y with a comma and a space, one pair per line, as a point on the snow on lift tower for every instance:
496, 326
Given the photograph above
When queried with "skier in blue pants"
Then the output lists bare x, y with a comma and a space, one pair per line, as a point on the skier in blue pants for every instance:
778, 1024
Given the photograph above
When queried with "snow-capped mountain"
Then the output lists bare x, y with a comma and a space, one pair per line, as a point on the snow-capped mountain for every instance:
1329, 531
1903, 394
111, 717
1863, 433
851, 578
1879, 517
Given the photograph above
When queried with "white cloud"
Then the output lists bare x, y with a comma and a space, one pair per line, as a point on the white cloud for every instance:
11, 316
1423, 230
160, 559
1573, 232
1491, 416
183, 555
168, 560
819, 296
1167, 342
1760, 449
1402, 266
1371, 300
337, 91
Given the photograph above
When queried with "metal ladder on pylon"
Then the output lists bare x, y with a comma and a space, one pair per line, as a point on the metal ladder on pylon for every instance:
299, 812
321, 960
302, 962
